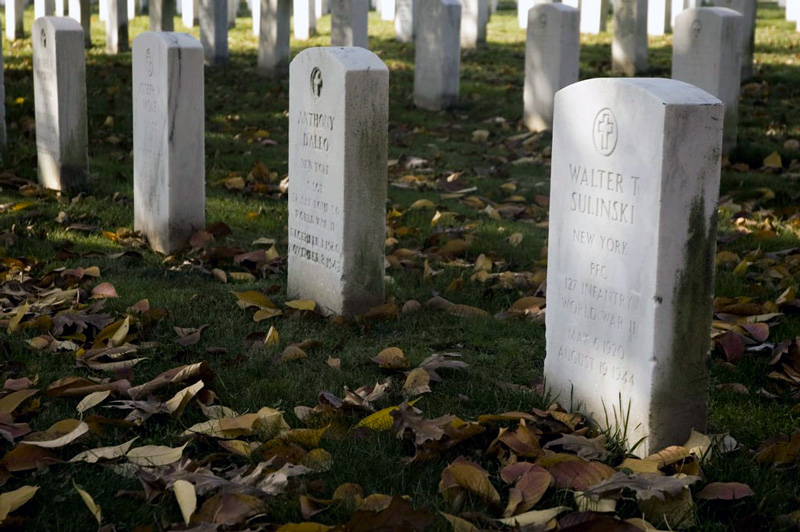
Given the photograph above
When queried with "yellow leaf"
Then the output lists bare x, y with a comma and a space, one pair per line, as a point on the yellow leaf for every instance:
291, 353
640, 466
516, 239
93, 507
267, 313
535, 517
483, 263
92, 400
13, 323
422, 204
251, 298
417, 382
773, 160
273, 338
12, 401
382, 419
302, 304
242, 277
187, 498
119, 337
391, 358
12, 500
179, 401
79, 430
22, 205
475, 481
155, 455
318, 459
92, 456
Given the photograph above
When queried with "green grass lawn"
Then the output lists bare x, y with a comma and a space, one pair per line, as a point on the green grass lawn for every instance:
246, 124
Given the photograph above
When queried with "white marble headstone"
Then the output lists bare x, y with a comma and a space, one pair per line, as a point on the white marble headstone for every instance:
338, 133
406, 19
474, 19
349, 20
59, 89
273, 41
15, 9
213, 18
117, 26
103, 10
305, 19
44, 8
629, 44
437, 59
81, 12
551, 60
634, 188
168, 138
162, 15
748, 10
706, 53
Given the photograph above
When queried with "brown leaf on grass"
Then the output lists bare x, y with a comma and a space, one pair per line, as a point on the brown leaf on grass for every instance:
463, 477
11, 430
733, 346
81, 387
103, 291
406, 417
441, 361
417, 382
58, 435
155, 455
589, 449
676, 511
253, 298
14, 400
391, 358
725, 491
103, 453
90, 504
180, 375
522, 441
780, 450
645, 485
229, 509
571, 472
593, 522
27, 457
11, 500
291, 353
530, 486
189, 336
398, 516
669, 456
459, 524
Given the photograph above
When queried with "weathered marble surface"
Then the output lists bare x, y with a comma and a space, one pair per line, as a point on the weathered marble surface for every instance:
168, 139
634, 188
59, 90
552, 53
437, 59
338, 134
706, 53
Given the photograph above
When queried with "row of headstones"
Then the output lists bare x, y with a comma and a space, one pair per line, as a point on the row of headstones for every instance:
634, 186
706, 53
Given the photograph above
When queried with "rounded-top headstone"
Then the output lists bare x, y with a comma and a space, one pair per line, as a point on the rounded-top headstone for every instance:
634, 187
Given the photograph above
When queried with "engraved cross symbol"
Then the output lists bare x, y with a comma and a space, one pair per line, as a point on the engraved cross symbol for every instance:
605, 127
